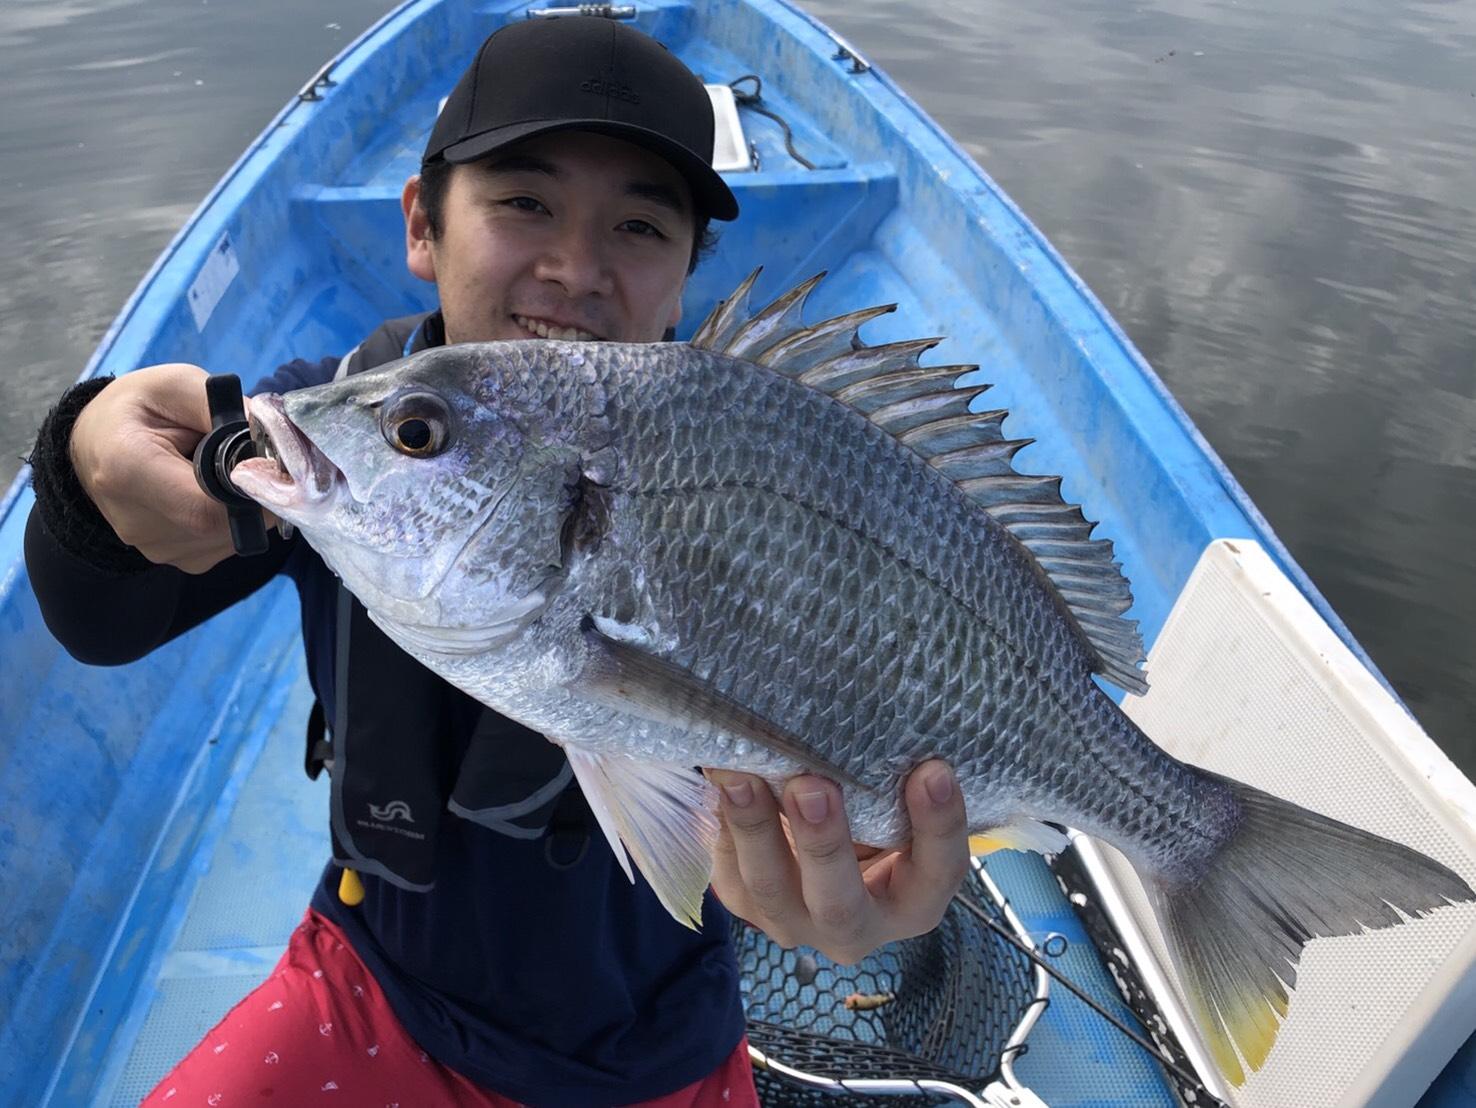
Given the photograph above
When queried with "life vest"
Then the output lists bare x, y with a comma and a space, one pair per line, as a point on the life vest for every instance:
407, 747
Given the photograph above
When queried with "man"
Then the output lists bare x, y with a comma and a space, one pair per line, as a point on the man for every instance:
504, 957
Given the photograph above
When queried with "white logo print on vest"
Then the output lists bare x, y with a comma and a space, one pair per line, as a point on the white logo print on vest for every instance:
395, 809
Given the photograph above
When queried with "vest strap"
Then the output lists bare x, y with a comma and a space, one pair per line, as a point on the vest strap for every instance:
407, 748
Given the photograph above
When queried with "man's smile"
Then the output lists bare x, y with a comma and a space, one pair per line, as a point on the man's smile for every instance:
553, 329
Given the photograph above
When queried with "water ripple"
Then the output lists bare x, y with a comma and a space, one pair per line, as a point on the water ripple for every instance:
1275, 200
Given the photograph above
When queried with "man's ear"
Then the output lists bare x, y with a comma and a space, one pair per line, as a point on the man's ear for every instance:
676, 309
419, 252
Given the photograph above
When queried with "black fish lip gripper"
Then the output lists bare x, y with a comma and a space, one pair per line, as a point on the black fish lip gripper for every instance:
228, 442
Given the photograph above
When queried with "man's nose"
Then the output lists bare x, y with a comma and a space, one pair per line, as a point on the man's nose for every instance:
575, 259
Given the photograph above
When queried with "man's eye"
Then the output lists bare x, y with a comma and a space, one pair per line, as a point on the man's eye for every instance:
641, 227
525, 204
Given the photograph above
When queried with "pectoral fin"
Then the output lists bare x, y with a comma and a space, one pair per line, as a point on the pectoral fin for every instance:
624, 674
665, 815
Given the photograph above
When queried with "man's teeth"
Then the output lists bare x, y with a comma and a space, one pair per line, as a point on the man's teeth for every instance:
544, 331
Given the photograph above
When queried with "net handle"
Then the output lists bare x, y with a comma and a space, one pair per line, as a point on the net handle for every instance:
865, 1086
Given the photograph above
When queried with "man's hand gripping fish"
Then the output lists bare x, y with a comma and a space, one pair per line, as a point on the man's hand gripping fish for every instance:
775, 549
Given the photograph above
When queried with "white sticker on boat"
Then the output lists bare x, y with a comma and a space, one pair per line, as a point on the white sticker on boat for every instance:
215, 277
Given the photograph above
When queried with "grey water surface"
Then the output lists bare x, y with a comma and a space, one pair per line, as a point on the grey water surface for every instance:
1275, 198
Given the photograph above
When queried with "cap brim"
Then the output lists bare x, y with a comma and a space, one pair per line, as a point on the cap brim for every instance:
710, 193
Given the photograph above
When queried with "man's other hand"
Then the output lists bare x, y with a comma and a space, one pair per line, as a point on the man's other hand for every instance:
132, 447
790, 867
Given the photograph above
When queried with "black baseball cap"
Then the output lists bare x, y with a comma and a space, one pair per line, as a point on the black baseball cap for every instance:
583, 73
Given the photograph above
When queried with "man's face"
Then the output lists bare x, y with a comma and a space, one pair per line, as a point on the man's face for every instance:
568, 235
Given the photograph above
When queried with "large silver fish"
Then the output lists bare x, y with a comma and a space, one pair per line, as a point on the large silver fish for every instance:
775, 549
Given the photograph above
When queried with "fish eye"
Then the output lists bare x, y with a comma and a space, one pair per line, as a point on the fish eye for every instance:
417, 424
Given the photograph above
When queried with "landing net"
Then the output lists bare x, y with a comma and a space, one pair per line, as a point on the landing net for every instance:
939, 1007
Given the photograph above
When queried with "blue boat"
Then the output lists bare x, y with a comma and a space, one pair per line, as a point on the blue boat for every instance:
158, 840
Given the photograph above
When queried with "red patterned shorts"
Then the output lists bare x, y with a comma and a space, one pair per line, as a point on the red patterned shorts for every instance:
319, 1030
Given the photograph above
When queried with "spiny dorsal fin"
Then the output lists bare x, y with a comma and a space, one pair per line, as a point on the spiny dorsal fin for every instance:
727, 317
919, 406
866, 364
779, 320
918, 411
887, 388
823, 341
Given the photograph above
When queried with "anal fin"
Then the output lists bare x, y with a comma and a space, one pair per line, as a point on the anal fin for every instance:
664, 815
1021, 834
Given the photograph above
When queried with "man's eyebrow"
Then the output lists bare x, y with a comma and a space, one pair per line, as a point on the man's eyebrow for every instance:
657, 193
521, 163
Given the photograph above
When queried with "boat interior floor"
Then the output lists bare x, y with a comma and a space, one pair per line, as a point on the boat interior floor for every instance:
254, 881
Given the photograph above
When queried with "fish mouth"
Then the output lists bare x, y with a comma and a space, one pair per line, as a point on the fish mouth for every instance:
288, 471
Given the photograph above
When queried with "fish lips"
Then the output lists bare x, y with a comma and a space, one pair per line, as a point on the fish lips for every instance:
290, 474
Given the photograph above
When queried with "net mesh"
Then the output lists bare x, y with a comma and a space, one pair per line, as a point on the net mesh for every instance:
940, 1006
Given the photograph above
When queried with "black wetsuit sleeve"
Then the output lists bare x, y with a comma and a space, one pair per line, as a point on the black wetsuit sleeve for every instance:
104, 601
106, 618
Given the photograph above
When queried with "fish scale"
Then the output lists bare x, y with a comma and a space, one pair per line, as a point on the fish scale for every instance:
774, 494
777, 549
